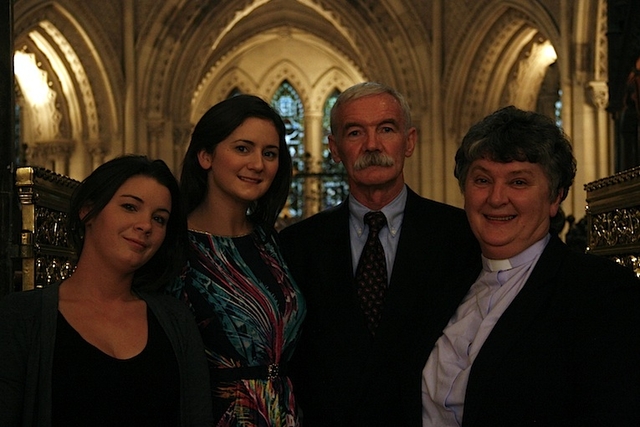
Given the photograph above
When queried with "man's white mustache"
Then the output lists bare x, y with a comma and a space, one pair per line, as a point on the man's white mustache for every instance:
374, 158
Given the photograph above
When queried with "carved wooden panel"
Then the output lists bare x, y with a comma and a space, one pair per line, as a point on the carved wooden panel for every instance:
613, 218
44, 248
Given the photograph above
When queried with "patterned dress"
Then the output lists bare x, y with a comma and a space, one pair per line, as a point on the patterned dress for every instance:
249, 311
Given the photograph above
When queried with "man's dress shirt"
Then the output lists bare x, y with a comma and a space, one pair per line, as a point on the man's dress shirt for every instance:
389, 235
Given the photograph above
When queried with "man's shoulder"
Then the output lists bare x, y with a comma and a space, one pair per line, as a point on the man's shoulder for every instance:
416, 201
423, 213
316, 223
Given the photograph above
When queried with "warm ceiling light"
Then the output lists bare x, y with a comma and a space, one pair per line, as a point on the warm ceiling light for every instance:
548, 52
32, 79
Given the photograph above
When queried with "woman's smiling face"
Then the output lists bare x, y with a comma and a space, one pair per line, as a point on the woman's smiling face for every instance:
508, 205
130, 229
243, 166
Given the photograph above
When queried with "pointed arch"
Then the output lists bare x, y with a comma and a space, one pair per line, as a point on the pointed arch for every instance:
214, 88
85, 100
288, 71
504, 64
333, 79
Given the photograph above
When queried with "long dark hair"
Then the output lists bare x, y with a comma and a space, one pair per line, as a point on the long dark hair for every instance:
97, 190
215, 126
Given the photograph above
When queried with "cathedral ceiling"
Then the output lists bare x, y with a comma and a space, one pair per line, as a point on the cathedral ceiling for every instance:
153, 66
375, 42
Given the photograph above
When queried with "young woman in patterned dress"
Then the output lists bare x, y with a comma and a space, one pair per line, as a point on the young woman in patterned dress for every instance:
235, 180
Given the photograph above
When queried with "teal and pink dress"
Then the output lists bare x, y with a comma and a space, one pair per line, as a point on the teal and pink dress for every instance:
249, 311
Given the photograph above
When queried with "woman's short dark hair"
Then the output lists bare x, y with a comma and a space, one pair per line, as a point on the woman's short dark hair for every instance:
510, 134
215, 126
96, 191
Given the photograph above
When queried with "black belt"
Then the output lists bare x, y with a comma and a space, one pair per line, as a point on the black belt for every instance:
264, 372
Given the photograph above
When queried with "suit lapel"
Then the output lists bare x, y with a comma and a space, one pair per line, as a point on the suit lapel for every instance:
339, 266
421, 249
339, 262
404, 287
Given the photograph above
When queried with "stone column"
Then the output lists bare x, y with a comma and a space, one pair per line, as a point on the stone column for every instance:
181, 139
97, 152
155, 134
130, 118
599, 95
313, 145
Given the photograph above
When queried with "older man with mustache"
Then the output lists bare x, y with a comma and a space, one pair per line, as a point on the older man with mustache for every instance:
374, 271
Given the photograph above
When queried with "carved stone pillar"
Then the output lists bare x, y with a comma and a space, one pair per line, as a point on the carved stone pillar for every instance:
598, 93
155, 134
97, 151
52, 154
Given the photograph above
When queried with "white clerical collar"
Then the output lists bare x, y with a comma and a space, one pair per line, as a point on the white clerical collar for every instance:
528, 255
496, 264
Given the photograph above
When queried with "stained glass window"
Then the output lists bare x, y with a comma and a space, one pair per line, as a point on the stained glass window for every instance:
288, 103
334, 186
234, 92
558, 108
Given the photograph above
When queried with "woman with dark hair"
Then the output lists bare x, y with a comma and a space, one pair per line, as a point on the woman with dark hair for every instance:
97, 191
99, 349
235, 179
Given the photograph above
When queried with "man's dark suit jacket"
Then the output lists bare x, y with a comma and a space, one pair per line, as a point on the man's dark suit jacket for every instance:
344, 377
566, 352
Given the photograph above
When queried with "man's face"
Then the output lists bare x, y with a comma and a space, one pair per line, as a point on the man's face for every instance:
508, 206
372, 144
